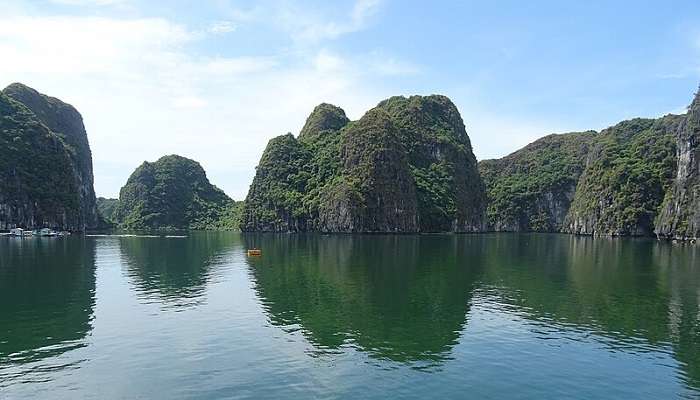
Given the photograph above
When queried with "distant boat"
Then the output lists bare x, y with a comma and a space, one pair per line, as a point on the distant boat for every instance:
254, 252
44, 232
17, 232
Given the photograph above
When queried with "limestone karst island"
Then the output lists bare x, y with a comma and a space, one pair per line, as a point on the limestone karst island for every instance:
356, 199
406, 166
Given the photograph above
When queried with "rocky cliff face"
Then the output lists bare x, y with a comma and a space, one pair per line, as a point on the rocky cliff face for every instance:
375, 191
532, 189
38, 187
450, 193
405, 166
66, 122
171, 193
105, 209
616, 182
275, 198
628, 172
680, 214
45, 163
408, 166
325, 117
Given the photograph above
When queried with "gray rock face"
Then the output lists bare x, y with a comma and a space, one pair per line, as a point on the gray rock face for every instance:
376, 192
274, 200
680, 214
450, 192
532, 188
38, 180
405, 166
627, 174
325, 117
65, 121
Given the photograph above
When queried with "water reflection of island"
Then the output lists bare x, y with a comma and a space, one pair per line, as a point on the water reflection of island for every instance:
401, 298
175, 271
640, 294
407, 298
47, 292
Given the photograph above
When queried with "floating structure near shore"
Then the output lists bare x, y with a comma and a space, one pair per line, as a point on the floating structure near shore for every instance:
254, 252
132, 235
44, 232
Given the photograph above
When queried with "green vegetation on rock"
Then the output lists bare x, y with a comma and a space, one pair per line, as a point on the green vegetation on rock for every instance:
173, 193
450, 193
629, 170
374, 190
680, 214
64, 121
405, 166
106, 208
325, 117
532, 189
38, 184
275, 198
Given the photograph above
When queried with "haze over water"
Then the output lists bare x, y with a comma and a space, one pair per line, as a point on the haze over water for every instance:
339, 316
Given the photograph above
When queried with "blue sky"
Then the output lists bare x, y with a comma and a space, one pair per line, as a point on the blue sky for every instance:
216, 80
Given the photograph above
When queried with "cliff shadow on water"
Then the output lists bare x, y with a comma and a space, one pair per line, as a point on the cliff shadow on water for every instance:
47, 292
399, 298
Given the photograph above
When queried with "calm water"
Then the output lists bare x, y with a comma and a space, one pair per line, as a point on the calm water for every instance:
362, 317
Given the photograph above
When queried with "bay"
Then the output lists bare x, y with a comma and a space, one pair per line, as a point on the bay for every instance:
521, 316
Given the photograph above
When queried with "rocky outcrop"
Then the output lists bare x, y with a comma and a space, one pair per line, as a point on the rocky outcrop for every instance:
627, 174
450, 193
275, 198
405, 166
532, 188
171, 193
375, 191
45, 163
65, 121
638, 178
105, 209
680, 214
325, 117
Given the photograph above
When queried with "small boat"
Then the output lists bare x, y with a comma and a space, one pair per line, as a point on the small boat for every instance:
254, 252
46, 232
17, 232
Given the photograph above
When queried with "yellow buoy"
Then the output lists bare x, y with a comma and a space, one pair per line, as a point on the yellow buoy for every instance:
254, 252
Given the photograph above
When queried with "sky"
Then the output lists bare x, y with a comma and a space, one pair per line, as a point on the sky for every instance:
215, 80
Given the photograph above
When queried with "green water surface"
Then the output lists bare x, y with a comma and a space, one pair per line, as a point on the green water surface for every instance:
493, 316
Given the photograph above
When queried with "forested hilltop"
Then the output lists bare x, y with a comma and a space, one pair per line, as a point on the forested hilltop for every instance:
172, 193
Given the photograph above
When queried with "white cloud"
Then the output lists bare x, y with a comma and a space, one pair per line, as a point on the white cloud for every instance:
189, 102
143, 93
390, 66
315, 29
325, 61
304, 25
221, 27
